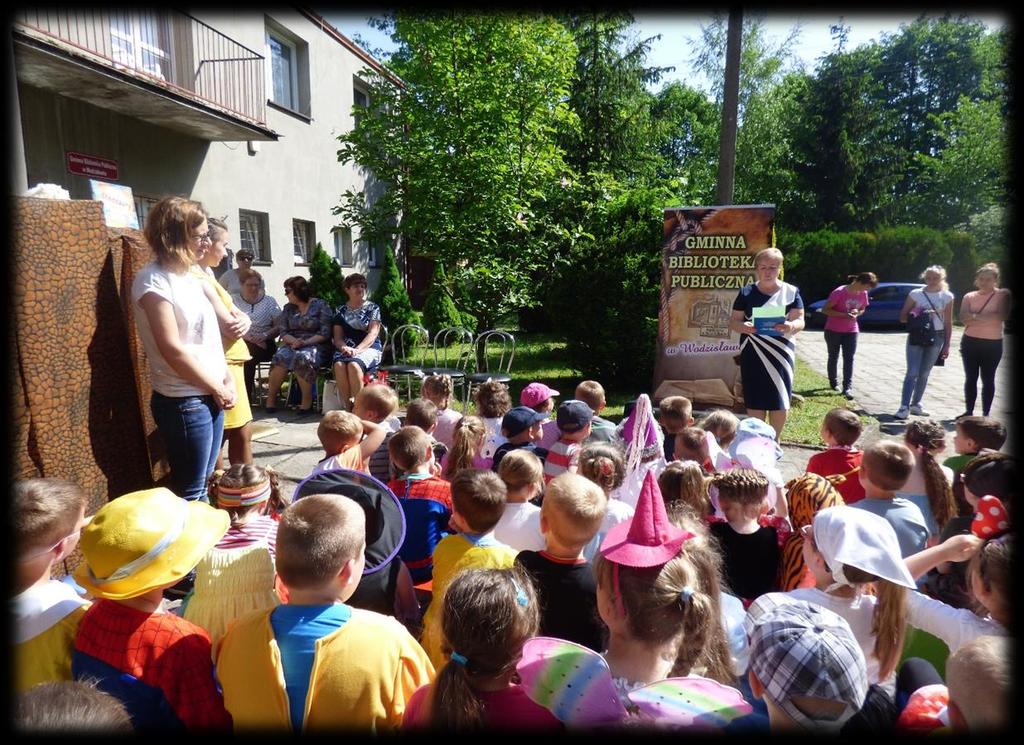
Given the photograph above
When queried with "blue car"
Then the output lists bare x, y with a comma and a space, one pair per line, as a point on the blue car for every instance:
884, 303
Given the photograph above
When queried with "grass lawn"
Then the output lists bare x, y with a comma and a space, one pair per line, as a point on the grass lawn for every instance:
542, 357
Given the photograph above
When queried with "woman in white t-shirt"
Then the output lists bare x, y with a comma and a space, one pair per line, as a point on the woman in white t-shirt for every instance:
936, 300
182, 340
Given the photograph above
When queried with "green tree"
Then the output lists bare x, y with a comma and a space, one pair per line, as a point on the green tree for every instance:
466, 143
392, 296
438, 310
325, 278
686, 125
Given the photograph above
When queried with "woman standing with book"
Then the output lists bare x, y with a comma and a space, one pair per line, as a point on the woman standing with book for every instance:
766, 315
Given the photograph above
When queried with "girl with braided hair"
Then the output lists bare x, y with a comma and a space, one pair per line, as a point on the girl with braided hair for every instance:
488, 616
930, 485
605, 465
751, 540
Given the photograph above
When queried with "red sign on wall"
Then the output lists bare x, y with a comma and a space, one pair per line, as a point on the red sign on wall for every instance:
81, 164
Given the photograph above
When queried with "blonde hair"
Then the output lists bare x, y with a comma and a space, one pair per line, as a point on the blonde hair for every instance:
409, 447
889, 621
746, 486
492, 399
604, 464
43, 511
989, 268
935, 269
439, 389
169, 227
676, 409
521, 468
339, 429
591, 393
239, 476
979, 677
378, 397
467, 441
683, 483
479, 496
768, 252
574, 508
316, 537
722, 423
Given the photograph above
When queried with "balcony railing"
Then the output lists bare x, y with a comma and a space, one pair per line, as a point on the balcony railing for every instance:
167, 48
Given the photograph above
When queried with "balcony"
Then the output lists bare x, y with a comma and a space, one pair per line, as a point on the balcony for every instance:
164, 67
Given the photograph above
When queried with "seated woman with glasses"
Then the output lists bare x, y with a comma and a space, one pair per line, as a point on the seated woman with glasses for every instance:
263, 311
305, 326
230, 280
356, 336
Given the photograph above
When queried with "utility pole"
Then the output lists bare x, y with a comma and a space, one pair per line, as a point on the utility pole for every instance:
727, 141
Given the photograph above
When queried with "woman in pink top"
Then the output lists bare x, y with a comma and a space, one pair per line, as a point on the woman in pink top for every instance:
982, 314
844, 304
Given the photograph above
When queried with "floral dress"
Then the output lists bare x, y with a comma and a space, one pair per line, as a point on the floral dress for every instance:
355, 324
316, 321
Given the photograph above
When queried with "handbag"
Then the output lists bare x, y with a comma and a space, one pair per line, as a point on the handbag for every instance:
921, 328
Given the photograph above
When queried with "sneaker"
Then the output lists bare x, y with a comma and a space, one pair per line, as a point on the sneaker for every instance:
848, 394
835, 387
902, 413
916, 410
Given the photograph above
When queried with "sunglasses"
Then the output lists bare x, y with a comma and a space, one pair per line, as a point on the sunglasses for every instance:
243, 257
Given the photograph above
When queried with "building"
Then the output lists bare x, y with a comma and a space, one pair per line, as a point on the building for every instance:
240, 110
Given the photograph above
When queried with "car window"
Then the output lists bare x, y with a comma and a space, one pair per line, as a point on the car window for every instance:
888, 293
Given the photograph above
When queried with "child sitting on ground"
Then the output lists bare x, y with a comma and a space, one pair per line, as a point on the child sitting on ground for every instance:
541, 399
930, 485
69, 708
806, 664
572, 512
237, 575
884, 469
573, 421
604, 464
48, 516
488, 616
468, 443
806, 496
378, 403
519, 526
439, 389
341, 434
317, 663
840, 431
521, 428
847, 550
685, 489
973, 435
492, 402
425, 524
691, 444
157, 664
722, 423
750, 539
644, 450
675, 413
591, 393
980, 677
422, 413
478, 502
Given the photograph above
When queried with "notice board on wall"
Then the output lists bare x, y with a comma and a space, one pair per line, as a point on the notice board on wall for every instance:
707, 256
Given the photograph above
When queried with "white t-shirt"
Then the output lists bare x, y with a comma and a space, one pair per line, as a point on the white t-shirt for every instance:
446, 421
617, 513
939, 299
198, 331
519, 527
954, 626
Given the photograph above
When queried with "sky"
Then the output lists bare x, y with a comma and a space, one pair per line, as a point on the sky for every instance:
679, 29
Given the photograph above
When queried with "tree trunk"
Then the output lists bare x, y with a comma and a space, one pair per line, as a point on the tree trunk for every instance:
730, 103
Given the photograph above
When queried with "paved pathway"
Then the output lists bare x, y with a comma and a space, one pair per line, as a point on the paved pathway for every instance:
879, 367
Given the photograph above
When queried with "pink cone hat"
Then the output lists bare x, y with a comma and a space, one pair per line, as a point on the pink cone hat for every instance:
649, 539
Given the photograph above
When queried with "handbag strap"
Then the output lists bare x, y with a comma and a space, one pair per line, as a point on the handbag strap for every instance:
925, 293
982, 308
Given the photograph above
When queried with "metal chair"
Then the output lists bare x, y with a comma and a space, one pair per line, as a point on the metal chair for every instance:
453, 348
494, 351
409, 348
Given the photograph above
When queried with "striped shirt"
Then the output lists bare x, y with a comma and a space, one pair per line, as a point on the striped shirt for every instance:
262, 314
562, 455
259, 532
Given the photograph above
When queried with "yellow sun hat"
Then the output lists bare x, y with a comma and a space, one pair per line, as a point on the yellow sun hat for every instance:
144, 540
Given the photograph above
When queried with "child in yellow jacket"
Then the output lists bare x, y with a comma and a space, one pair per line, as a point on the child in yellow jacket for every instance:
316, 663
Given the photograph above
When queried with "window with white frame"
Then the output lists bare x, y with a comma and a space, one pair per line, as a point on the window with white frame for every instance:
343, 246
254, 234
142, 207
360, 100
373, 254
284, 70
304, 240
139, 40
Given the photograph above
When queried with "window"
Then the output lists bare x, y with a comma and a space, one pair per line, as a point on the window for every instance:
254, 234
343, 246
142, 207
304, 240
284, 71
372, 253
359, 99
139, 40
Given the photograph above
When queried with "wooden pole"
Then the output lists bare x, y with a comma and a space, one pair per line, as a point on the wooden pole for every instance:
730, 102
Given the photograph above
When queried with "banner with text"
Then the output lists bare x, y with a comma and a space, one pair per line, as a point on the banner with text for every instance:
708, 255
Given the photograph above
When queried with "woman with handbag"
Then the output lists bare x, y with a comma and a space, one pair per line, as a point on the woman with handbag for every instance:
928, 314
982, 314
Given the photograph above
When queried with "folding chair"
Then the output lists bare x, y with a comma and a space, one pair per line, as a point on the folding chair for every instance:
408, 351
493, 352
453, 348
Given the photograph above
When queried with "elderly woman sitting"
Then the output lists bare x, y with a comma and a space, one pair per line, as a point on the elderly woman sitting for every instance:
357, 344
262, 310
305, 326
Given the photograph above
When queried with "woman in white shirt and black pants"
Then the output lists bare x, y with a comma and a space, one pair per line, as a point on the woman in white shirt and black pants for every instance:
936, 300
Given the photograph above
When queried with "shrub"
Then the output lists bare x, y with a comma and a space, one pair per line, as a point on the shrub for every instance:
392, 296
438, 310
325, 278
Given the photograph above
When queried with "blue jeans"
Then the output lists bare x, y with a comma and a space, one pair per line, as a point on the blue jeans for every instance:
192, 428
920, 361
